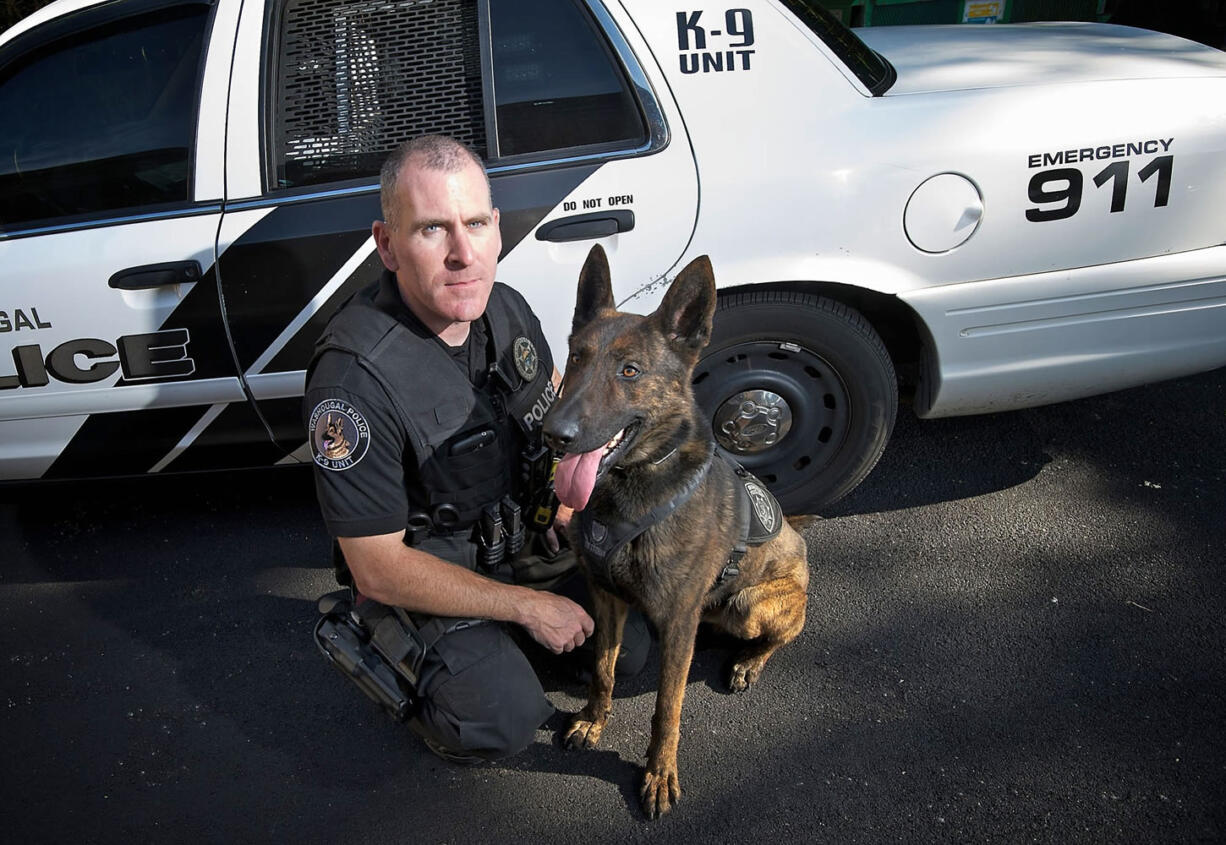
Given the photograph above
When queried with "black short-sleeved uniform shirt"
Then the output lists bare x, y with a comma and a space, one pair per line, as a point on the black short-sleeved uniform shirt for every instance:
367, 476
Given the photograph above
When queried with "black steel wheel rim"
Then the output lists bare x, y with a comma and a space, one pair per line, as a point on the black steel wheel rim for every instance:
814, 393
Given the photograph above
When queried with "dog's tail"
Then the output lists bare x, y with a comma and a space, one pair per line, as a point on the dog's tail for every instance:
802, 521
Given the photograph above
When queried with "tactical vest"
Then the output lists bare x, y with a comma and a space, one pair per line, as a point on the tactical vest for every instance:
467, 442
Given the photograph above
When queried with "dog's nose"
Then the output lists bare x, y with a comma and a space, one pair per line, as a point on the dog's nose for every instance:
560, 433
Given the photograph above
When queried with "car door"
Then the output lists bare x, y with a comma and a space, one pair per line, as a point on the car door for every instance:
110, 198
582, 146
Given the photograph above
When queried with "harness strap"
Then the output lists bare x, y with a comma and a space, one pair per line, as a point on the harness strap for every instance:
599, 542
759, 519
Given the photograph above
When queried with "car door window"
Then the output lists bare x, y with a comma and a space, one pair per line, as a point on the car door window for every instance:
354, 79
556, 84
102, 120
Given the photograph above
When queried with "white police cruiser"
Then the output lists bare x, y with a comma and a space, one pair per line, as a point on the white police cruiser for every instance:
1003, 216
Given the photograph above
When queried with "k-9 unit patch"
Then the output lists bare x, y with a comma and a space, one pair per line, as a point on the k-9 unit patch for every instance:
339, 434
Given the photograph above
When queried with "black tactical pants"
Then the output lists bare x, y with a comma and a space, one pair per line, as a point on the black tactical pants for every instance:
478, 691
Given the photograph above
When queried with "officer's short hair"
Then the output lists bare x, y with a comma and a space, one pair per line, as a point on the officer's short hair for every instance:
433, 152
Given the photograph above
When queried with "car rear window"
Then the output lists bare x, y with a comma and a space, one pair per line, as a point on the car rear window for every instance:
354, 78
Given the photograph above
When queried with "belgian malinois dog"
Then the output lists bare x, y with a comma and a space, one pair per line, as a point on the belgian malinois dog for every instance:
637, 451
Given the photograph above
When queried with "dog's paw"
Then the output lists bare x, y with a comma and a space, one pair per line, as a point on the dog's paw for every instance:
660, 791
743, 676
583, 733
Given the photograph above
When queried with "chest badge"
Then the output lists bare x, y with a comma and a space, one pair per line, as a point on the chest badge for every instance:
526, 360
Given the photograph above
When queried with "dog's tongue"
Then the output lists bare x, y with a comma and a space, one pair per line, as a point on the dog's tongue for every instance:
575, 477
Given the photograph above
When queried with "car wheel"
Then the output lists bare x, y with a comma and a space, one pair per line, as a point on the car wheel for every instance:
799, 389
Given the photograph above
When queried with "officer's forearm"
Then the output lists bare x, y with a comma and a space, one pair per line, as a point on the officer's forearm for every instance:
390, 572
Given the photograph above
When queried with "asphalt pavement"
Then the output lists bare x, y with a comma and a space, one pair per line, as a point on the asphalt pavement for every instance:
1015, 634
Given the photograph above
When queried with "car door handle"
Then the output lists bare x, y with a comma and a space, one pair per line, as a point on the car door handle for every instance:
156, 275
582, 227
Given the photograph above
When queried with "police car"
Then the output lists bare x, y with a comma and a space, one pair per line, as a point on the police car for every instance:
993, 217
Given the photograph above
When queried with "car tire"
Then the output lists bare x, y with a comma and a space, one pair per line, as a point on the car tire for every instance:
800, 390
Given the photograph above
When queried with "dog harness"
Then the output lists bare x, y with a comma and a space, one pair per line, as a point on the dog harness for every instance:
759, 518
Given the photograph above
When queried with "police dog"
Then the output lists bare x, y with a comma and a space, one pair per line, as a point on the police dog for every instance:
637, 449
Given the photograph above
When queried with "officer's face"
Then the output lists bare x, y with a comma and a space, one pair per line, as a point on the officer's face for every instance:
444, 247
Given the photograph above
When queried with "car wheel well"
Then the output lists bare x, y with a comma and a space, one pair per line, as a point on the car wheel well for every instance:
892, 319
800, 389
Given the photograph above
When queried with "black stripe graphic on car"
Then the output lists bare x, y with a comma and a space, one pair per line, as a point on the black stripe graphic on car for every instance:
270, 273
269, 276
523, 200
123, 443
237, 438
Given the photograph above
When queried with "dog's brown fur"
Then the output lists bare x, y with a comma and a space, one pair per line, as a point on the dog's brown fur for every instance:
626, 370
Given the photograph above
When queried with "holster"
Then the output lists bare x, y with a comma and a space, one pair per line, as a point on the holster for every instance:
380, 648
375, 646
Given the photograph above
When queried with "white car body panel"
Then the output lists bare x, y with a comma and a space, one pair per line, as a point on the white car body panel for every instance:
1032, 340
68, 269
771, 156
957, 58
662, 189
809, 182
243, 110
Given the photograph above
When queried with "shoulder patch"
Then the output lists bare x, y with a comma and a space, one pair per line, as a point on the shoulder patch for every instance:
340, 435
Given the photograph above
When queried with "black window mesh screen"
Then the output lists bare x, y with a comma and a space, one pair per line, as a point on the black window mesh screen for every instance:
357, 78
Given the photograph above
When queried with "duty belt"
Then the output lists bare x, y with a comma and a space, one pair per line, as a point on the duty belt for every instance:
498, 531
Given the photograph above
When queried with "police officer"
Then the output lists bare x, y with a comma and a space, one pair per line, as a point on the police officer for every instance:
419, 409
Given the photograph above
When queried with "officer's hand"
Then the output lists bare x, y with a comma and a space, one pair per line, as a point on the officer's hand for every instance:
552, 543
562, 518
556, 622
561, 526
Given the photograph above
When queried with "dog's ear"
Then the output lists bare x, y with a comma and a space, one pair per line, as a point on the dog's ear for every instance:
595, 289
689, 305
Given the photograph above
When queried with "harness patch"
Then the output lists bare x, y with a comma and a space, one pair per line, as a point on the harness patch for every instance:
764, 506
340, 435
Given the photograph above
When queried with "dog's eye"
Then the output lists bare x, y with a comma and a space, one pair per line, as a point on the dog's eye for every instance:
629, 371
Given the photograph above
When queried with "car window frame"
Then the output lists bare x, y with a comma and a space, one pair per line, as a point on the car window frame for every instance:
620, 56
657, 135
43, 37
